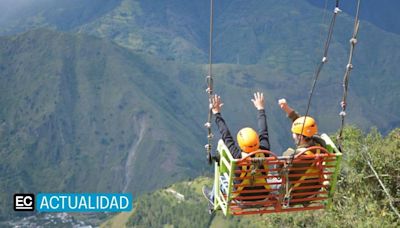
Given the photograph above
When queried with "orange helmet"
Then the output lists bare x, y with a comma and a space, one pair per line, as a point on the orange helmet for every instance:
248, 140
310, 126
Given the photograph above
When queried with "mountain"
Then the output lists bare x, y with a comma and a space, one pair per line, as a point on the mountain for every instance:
152, 27
81, 114
111, 97
358, 202
382, 14
21, 15
281, 38
176, 28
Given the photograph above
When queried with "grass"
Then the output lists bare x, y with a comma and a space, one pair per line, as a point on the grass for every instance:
118, 220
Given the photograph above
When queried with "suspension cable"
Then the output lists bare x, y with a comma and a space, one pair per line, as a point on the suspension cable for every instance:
336, 11
209, 80
349, 67
323, 61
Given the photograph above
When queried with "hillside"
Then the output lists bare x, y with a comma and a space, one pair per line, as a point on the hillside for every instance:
358, 202
384, 13
282, 42
22, 15
110, 97
82, 114
177, 29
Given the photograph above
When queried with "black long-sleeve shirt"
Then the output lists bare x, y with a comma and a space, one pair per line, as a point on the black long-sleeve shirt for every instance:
230, 142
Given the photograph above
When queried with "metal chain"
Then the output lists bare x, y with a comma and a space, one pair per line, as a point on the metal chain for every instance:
336, 11
324, 60
289, 164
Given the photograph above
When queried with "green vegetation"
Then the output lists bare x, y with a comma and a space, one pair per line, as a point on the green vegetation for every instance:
80, 114
164, 207
358, 202
117, 102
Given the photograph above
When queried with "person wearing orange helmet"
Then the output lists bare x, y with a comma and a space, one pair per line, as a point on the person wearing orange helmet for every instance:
304, 133
248, 139
304, 129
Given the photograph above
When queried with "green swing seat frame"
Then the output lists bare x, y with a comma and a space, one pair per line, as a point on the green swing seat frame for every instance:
283, 190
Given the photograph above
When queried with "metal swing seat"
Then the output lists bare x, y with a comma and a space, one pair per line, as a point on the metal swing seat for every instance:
262, 182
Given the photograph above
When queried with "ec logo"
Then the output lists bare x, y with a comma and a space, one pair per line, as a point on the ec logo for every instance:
24, 202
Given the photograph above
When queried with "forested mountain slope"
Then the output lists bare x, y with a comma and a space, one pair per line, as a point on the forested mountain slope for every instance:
82, 114
111, 97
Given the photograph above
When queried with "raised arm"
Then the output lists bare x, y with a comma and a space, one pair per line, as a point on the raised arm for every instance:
258, 102
291, 113
216, 105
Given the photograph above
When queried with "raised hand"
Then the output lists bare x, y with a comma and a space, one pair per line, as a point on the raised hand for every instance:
284, 106
216, 104
258, 101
